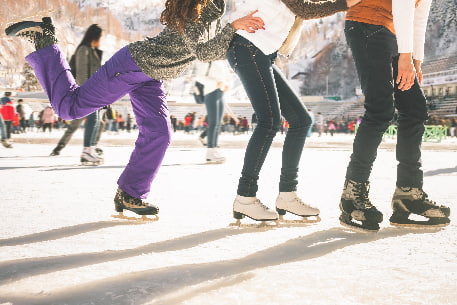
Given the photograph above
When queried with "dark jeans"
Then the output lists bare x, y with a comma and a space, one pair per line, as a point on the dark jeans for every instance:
375, 53
271, 96
214, 108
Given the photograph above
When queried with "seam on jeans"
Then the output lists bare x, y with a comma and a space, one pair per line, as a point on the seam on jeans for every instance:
257, 164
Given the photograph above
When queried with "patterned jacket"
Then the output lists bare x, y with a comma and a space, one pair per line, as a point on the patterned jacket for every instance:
170, 53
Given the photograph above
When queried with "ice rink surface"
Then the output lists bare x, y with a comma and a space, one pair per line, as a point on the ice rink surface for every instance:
59, 245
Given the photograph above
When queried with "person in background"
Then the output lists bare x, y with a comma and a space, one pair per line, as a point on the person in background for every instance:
216, 79
88, 59
387, 42
5, 141
8, 113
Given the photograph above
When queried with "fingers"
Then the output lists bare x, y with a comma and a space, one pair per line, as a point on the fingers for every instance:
405, 80
249, 23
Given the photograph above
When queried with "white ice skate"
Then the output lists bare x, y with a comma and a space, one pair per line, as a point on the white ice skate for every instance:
290, 202
89, 157
214, 156
254, 209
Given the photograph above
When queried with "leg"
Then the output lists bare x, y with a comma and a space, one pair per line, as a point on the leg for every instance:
151, 112
90, 129
412, 113
373, 48
117, 77
256, 73
299, 120
211, 110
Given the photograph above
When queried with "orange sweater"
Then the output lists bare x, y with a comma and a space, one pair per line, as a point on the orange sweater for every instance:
378, 12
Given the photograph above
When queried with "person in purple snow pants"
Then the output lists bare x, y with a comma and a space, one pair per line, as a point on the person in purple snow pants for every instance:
137, 69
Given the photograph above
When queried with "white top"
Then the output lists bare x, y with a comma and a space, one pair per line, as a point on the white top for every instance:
211, 76
278, 22
410, 24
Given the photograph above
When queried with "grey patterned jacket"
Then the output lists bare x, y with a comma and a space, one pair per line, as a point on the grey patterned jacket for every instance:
170, 53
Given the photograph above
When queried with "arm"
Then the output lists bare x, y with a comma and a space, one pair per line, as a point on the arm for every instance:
82, 64
315, 9
215, 48
420, 27
410, 25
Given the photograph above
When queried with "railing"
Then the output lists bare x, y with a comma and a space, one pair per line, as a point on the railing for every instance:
431, 132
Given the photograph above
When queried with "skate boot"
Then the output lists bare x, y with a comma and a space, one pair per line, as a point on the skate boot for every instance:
410, 200
88, 157
57, 149
123, 201
290, 202
252, 208
99, 152
357, 212
6, 144
213, 156
42, 34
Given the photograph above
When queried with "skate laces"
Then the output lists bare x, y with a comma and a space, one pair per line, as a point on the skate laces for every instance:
133, 200
258, 203
361, 191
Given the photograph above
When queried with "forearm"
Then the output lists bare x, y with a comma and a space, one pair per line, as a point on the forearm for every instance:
316, 9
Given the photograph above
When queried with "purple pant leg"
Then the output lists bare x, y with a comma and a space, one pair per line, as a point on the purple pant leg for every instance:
152, 117
104, 87
117, 77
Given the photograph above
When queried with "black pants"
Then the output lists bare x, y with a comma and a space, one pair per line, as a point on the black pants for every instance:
375, 53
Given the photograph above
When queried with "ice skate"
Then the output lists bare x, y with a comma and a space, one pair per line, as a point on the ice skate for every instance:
56, 150
89, 157
254, 209
290, 202
357, 212
42, 34
123, 201
214, 156
409, 200
6, 144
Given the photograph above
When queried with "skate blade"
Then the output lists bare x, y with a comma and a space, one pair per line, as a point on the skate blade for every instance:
88, 163
358, 229
420, 225
306, 220
214, 162
265, 224
143, 218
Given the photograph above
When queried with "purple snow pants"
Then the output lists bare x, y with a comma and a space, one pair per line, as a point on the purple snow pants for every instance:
119, 76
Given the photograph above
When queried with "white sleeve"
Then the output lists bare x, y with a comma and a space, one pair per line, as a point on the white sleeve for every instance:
403, 16
420, 27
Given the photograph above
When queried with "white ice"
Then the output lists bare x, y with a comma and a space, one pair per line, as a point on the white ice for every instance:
59, 244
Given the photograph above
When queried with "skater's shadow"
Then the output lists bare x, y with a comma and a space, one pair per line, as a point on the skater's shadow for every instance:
62, 232
441, 171
21, 268
157, 284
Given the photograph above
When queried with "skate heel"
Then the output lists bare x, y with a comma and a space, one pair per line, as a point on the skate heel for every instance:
118, 207
281, 212
237, 215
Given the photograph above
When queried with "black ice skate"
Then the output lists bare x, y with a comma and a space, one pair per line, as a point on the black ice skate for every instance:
42, 34
357, 212
409, 200
123, 201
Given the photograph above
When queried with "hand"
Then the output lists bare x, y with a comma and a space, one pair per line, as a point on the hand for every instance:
418, 67
350, 3
249, 23
406, 72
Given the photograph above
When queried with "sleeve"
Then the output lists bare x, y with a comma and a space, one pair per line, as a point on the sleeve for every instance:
403, 17
420, 26
213, 49
311, 9
82, 64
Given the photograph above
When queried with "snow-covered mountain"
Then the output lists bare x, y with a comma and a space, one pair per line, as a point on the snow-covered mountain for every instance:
318, 62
